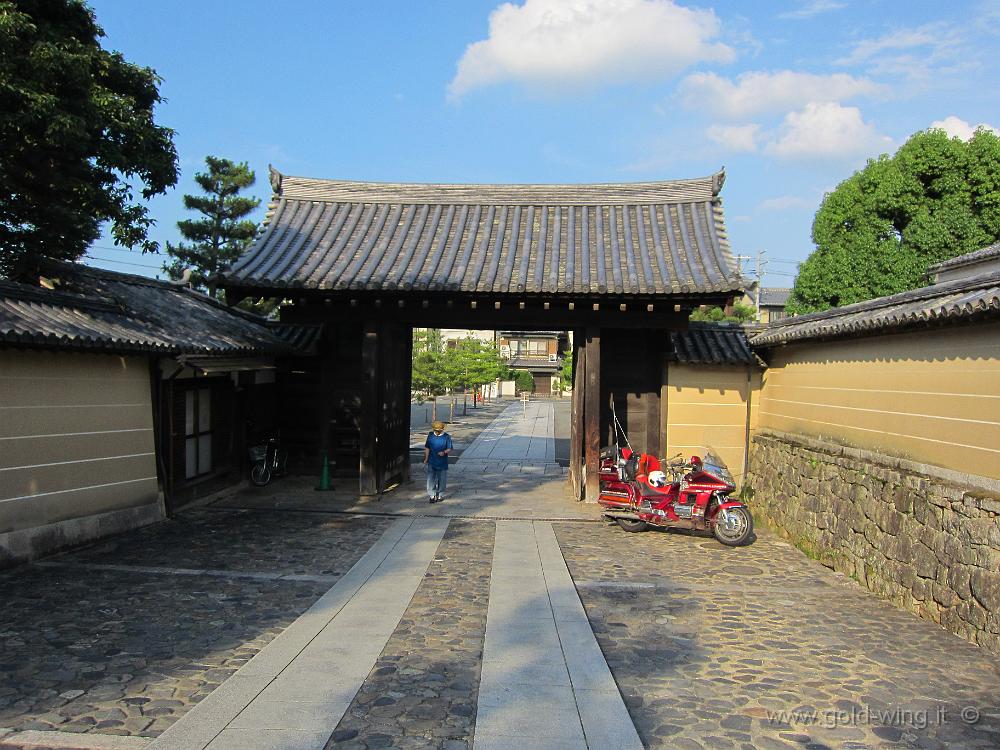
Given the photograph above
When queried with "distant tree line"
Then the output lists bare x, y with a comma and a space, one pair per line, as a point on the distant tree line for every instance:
438, 369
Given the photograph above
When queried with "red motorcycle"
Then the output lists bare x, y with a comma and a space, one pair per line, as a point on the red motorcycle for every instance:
639, 491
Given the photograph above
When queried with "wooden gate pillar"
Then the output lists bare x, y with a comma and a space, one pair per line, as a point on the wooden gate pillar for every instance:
592, 414
368, 419
576, 472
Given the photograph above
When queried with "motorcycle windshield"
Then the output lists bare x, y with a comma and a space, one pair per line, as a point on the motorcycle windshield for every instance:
713, 464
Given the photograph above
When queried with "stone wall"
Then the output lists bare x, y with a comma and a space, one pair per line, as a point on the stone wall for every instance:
928, 543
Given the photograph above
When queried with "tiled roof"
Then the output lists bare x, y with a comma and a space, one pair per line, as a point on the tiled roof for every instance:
986, 253
650, 238
118, 312
950, 301
712, 344
304, 338
774, 296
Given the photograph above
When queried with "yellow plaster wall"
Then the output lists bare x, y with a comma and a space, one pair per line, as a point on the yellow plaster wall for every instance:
76, 436
707, 406
930, 396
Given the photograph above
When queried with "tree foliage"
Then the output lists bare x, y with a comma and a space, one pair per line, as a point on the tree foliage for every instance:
566, 373
438, 369
880, 229
77, 136
428, 377
740, 314
220, 235
524, 381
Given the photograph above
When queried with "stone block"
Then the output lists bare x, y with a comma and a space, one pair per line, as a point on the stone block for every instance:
925, 562
959, 580
986, 588
902, 499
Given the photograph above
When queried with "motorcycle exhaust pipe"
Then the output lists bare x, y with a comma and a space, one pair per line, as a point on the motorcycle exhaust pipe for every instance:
622, 514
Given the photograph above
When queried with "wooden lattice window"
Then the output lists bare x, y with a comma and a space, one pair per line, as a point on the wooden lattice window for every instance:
197, 432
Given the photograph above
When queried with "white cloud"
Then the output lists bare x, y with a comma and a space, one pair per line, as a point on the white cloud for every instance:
933, 37
826, 130
735, 137
959, 128
581, 42
812, 8
757, 91
785, 203
923, 56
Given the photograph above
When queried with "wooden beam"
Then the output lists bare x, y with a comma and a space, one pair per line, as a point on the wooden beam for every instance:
368, 417
576, 419
652, 395
592, 414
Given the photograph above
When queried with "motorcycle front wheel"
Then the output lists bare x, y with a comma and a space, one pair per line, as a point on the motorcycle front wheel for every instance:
632, 525
260, 474
737, 530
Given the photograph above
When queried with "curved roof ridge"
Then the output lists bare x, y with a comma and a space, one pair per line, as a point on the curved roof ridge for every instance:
292, 187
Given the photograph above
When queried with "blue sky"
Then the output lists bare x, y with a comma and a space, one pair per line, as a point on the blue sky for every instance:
791, 96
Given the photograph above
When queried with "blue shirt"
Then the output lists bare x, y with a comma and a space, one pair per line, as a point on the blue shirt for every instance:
437, 443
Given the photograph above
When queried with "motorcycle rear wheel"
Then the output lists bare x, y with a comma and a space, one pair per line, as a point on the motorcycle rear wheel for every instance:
260, 474
632, 525
738, 532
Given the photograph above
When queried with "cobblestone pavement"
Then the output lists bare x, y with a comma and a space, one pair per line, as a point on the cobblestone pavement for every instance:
760, 647
422, 690
130, 649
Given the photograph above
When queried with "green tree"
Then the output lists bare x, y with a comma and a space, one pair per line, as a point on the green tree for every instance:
217, 238
880, 229
472, 362
566, 373
428, 375
740, 314
77, 136
523, 381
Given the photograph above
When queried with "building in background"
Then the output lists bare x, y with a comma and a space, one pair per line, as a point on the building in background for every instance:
538, 352
772, 304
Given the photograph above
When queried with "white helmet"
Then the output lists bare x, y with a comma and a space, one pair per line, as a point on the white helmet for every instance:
657, 479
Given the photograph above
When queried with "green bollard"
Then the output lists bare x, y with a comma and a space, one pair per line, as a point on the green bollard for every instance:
324, 476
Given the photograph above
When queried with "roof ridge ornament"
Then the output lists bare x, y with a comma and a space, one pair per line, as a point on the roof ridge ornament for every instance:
718, 180
276, 177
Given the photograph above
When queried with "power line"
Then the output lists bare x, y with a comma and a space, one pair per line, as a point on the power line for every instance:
119, 249
124, 263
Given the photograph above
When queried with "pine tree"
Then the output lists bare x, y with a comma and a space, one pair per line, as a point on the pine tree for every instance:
217, 239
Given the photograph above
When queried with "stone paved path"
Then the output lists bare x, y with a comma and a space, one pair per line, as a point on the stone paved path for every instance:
522, 432
423, 689
761, 647
499, 637
290, 694
545, 684
117, 639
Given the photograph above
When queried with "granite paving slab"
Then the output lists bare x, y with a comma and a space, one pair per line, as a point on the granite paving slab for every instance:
322, 659
544, 679
422, 690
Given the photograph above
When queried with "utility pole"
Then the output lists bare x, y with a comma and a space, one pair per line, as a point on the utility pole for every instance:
761, 264
739, 263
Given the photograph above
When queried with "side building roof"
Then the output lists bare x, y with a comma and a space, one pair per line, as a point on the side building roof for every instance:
977, 256
976, 298
648, 238
712, 344
107, 311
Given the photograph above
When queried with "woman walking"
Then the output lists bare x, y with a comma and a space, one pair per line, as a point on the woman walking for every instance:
436, 451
